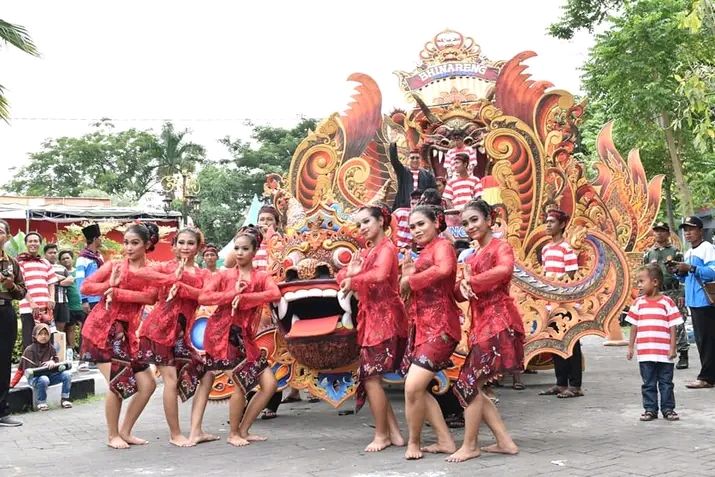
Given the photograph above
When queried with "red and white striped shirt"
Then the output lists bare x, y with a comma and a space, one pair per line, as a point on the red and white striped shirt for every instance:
558, 259
260, 260
653, 319
461, 190
415, 179
452, 153
38, 275
402, 218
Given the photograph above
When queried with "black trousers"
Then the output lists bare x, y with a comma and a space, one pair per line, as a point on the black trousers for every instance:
569, 371
8, 334
704, 329
28, 323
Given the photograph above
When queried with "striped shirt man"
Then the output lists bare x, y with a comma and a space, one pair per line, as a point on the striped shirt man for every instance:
452, 153
461, 190
402, 218
38, 275
558, 259
653, 319
260, 260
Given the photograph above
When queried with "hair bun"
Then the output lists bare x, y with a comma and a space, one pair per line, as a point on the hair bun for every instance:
153, 235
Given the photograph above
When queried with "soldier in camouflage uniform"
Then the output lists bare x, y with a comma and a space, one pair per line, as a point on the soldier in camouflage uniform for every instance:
661, 253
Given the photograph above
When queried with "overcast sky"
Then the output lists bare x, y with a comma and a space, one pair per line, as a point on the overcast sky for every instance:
209, 65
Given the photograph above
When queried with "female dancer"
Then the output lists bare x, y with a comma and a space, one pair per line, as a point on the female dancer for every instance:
109, 332
240, 292
434, 330
382, 321
164, 338
496, 335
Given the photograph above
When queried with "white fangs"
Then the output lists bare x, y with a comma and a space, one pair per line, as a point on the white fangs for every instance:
282, 308
294, 319
344, 300
347, 321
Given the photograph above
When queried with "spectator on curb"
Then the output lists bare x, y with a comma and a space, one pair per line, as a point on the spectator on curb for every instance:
41, 353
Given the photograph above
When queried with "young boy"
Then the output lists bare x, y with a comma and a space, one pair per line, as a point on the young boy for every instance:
42, 353
654, 317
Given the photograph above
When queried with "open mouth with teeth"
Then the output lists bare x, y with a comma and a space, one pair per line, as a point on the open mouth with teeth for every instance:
318, 323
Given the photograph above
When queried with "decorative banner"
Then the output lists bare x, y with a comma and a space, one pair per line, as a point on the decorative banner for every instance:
452, 70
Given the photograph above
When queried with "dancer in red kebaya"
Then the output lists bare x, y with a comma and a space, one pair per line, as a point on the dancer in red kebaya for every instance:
109, 334
496, 335
434, 328
373, 275
164, 338
229, 340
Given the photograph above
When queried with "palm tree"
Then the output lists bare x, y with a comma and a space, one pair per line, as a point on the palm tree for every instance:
18, 37
176, 155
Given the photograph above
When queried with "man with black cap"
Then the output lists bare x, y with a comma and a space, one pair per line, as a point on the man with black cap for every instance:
698, 268
88, 262
662, 253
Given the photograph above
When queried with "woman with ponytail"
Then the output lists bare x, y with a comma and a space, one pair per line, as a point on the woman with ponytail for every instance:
373, 275
496, 335
434, 332
240, 293
109, 334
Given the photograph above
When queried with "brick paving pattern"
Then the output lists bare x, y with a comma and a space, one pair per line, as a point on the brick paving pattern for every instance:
598, 434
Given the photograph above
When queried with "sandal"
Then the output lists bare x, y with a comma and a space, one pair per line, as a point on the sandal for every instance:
43, 407
268, 414
648, 416
570, 393
66, 404
671, 416
552, 391
699, 384
456, 423
518, 386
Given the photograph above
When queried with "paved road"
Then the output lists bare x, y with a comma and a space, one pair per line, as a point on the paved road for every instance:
598, 434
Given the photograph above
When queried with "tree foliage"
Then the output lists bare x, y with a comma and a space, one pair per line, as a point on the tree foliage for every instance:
228, 186
126, 164
18, 37
582, 14
630, 77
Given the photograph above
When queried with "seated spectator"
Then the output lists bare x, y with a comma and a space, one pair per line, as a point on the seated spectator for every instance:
42, 353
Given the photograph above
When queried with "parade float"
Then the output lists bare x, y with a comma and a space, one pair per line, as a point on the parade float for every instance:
525, 134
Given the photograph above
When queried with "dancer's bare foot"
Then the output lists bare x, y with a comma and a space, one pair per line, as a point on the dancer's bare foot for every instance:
510, 449
133, 440
440, 448
413, 451
203, 437
254, 438
396, 439
378, 444
464, 453
236, 440
181, 441
117, 442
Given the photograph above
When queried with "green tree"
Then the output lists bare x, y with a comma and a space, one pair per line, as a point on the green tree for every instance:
18, 37
227, 187
582, 14
122, 163
630, 75
177, 154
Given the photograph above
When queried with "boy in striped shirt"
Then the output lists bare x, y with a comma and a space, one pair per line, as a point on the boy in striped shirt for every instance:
462, 188
558, 261
653, 317
402, 219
